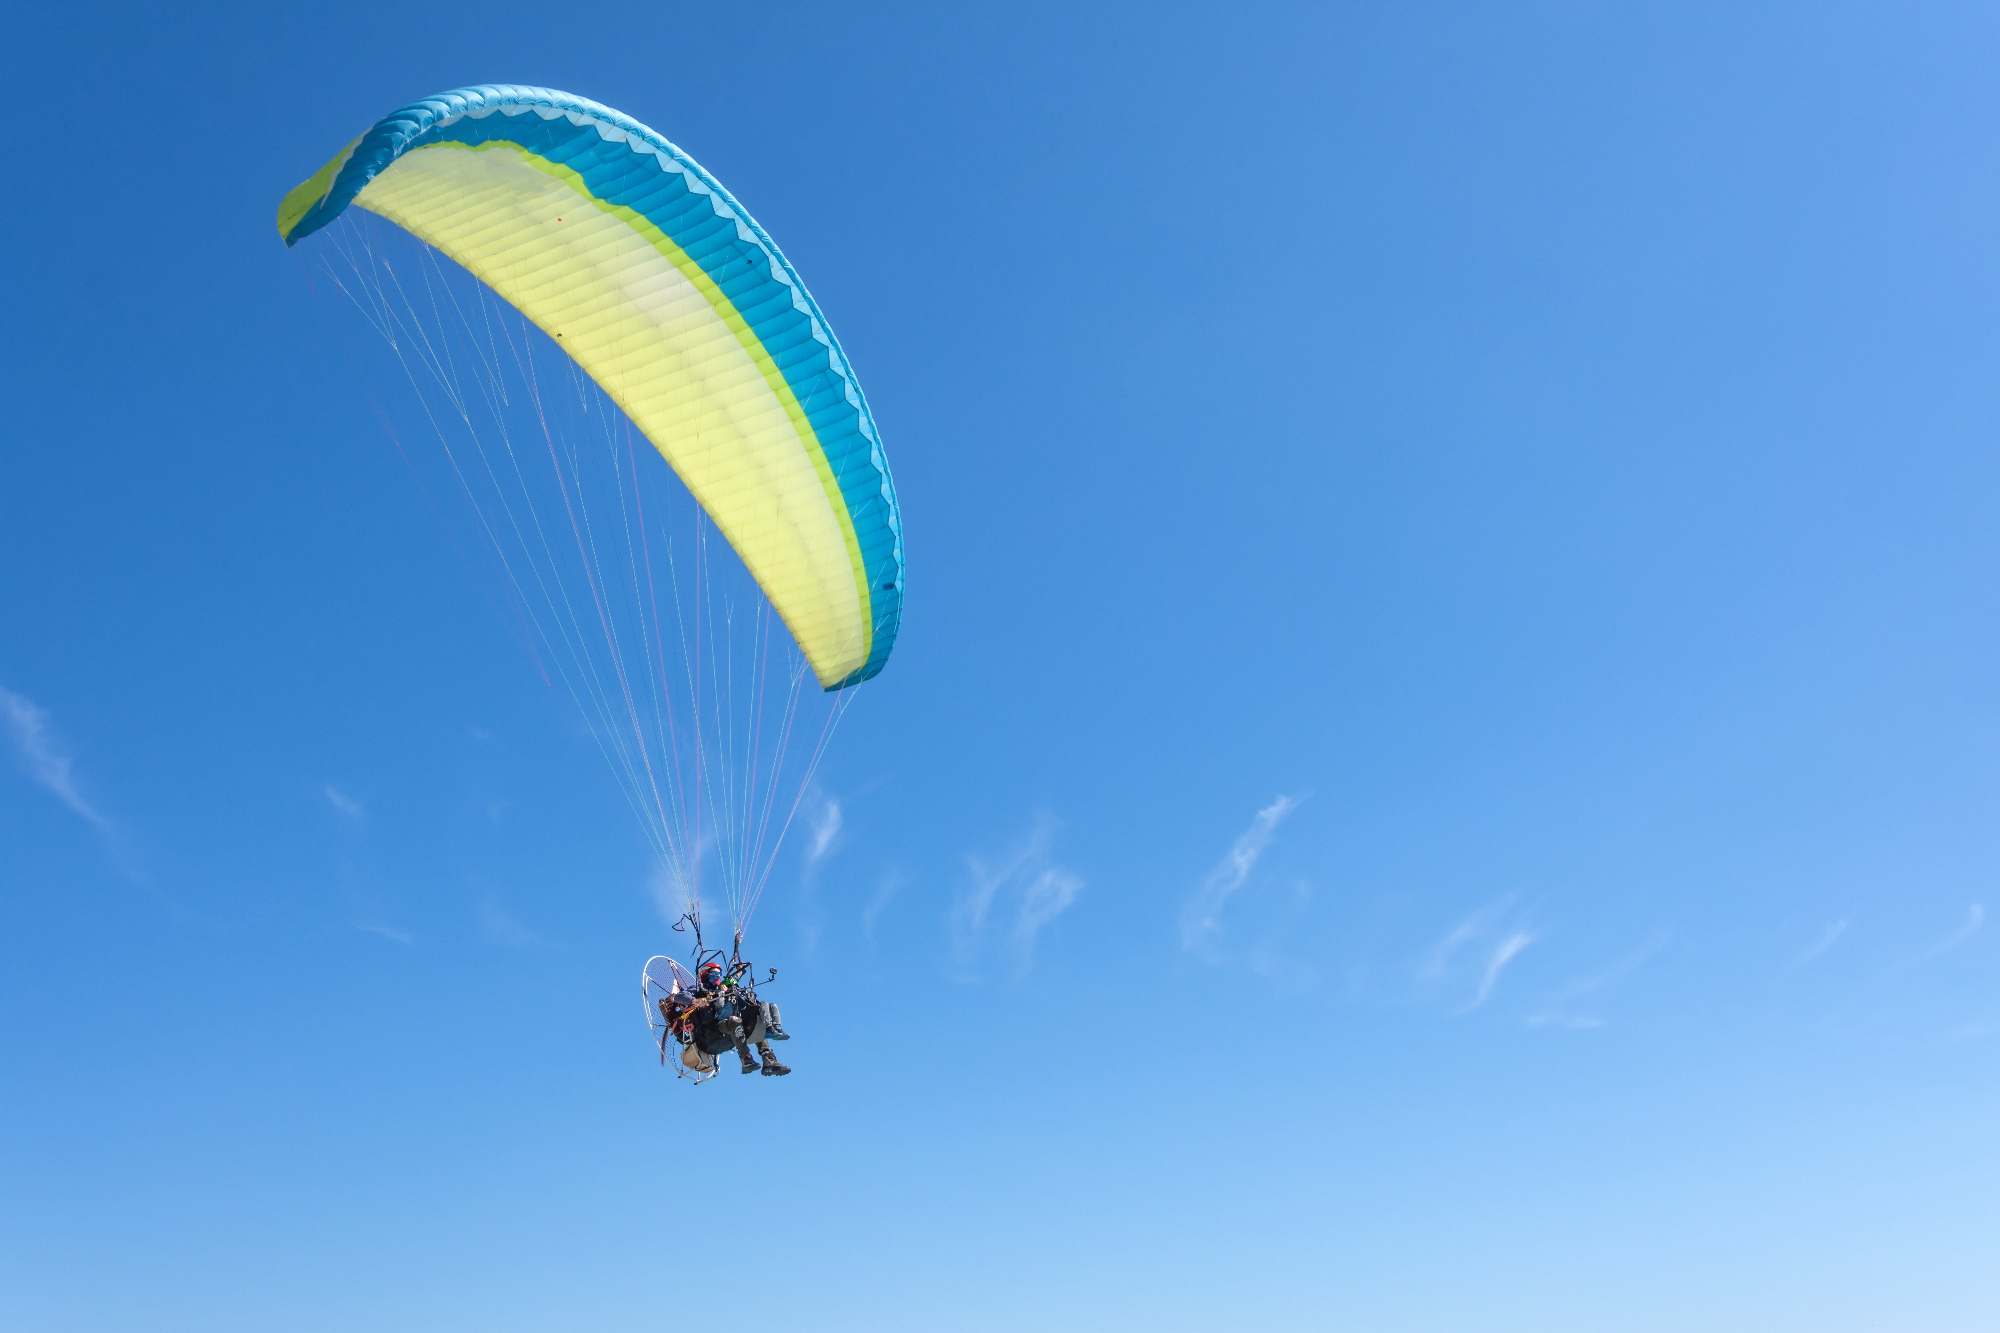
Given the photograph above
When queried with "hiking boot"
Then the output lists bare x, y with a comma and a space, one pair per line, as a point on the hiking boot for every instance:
771, 1065
749, 1060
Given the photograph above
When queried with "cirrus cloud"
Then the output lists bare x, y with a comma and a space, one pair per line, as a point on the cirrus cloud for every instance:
42, 755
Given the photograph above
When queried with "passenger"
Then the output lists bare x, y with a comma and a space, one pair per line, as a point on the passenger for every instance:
717, 1015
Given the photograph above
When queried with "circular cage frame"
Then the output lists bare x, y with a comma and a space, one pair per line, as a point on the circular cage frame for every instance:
659, 981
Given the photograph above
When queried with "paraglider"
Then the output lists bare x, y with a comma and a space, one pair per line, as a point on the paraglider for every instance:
560, 286
719, 1012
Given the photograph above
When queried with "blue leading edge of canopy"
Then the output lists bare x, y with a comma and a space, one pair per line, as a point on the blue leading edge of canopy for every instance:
730, 247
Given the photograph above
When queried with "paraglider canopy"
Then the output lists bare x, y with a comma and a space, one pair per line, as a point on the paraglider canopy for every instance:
658, 284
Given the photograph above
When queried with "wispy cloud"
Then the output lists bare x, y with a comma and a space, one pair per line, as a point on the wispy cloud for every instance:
1833, 932
1866, 1003
1975, 917
1504, 953
1462, 934
386, 932
1557, 1011
1045, 899
825, 829
1201, 915
1491, 922
1574, 1022
1026, 882
822, 840
43, 756
345, 804
503, 929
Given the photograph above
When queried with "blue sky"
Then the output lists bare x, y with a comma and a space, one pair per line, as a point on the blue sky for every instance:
1458, 538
